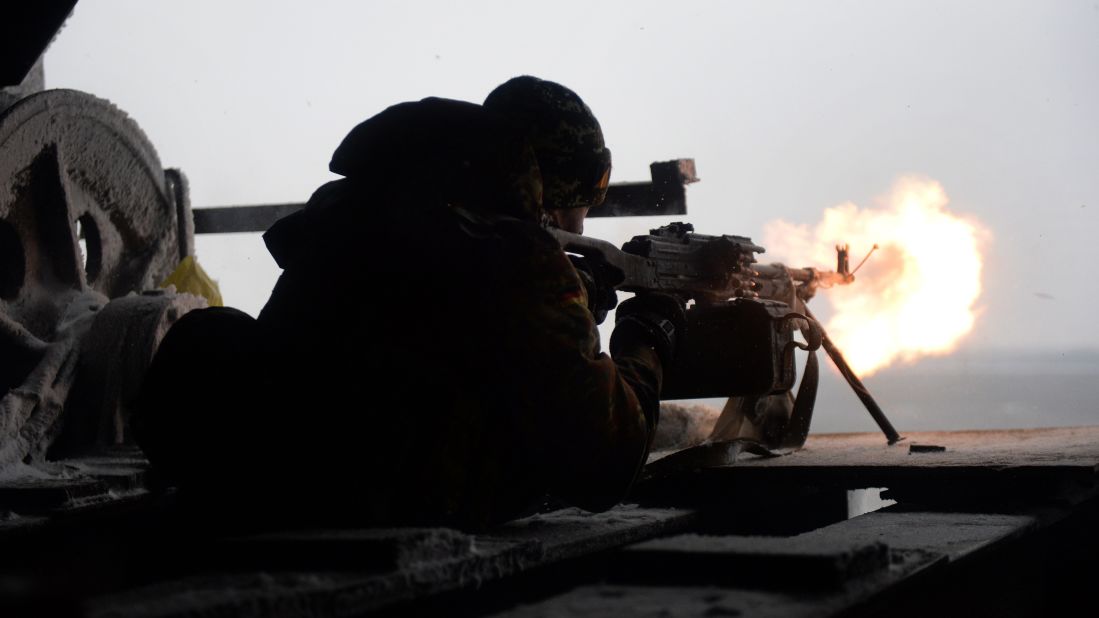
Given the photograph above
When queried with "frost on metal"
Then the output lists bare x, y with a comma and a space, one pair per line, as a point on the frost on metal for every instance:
87, 218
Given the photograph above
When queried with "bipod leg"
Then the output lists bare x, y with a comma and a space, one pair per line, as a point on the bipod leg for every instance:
856, 385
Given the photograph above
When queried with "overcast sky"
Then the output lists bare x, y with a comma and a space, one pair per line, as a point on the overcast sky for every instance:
787, 107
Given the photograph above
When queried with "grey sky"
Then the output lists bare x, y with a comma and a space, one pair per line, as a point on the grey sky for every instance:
788, 108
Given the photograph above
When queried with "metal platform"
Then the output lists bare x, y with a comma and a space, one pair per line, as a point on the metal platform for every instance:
998, 523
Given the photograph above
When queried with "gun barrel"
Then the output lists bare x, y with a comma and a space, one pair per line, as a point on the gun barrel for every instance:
823, 278
827, 278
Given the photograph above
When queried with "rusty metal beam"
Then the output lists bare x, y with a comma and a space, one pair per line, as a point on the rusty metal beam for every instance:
236, 219
665, 194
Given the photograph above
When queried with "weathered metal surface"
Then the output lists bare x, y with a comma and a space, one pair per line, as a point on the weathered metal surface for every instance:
973, 461
977, 467
664, 195
85, 216
361, 550
810, 574
67, 157
27, 499
925, 448
114, 356
312, 579
571, 532
907, 563
179, 191
952, 535
705, 599
29, 495
1067, 448
234, 219
762, 561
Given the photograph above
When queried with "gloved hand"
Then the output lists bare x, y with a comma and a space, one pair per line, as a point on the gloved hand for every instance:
654, 319
599, 279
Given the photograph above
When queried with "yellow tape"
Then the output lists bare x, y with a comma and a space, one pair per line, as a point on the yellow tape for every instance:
189, 277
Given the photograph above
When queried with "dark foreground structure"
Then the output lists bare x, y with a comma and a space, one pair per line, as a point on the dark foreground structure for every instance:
978, 523
994, 524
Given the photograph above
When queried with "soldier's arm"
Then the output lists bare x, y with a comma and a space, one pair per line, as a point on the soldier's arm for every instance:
588, 419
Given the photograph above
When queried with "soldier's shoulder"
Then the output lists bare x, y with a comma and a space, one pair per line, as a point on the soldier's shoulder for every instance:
530, 244
528, 233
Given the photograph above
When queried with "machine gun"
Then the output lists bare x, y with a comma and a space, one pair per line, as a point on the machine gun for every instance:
707, 269
739, 339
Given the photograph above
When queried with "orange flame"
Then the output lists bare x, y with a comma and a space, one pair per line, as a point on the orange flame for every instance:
916, 296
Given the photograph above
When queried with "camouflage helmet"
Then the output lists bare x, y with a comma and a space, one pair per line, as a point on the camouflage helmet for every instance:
565, 135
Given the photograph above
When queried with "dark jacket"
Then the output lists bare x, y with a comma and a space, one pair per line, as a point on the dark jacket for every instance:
449, 367
426, 357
